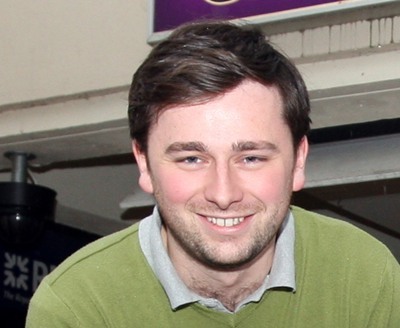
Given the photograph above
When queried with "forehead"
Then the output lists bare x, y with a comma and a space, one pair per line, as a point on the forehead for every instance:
249, 109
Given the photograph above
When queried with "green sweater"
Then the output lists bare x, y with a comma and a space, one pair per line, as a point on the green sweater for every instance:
344, 278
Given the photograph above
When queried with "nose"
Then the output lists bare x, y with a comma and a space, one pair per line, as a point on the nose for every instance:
222, 187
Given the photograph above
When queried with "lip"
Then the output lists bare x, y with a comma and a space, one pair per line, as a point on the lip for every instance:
231, 223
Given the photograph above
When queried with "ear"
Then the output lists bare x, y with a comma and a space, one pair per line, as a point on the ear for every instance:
299, 177
145, 181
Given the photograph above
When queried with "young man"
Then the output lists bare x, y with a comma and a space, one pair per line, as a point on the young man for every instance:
219, 122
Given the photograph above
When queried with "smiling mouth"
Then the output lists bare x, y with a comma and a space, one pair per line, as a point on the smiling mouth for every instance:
225, 222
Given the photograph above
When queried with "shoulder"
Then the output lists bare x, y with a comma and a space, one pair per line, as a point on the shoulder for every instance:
338, 263
106, 279
103, 252
313, 225
337, 241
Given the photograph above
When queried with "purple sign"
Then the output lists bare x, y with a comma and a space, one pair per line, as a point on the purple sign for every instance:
172, 13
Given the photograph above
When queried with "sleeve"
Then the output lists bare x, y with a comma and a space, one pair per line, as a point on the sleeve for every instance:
47, 310
386, 312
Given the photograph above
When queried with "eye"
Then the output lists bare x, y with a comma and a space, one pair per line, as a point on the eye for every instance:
253, 159
190, 163
191, 160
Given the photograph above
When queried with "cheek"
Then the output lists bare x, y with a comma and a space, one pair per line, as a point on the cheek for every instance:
271, 186
175, 188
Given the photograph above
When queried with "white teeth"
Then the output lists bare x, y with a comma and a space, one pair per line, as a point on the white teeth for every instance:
225, 222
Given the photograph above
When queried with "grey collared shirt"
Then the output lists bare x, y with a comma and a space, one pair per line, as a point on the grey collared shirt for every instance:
282, 273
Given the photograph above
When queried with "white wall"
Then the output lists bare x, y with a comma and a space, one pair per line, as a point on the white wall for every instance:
56, 48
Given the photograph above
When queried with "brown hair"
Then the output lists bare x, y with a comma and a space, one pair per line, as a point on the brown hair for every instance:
200, 61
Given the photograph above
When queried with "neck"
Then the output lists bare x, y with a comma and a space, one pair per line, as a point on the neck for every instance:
230, 287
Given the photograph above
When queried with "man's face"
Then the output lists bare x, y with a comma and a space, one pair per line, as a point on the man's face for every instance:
222, 174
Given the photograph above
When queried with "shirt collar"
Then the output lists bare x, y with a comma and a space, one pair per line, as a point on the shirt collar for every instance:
282, 272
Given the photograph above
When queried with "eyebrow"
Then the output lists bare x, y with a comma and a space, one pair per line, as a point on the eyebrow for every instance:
254, 145
237, 147
186, 146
